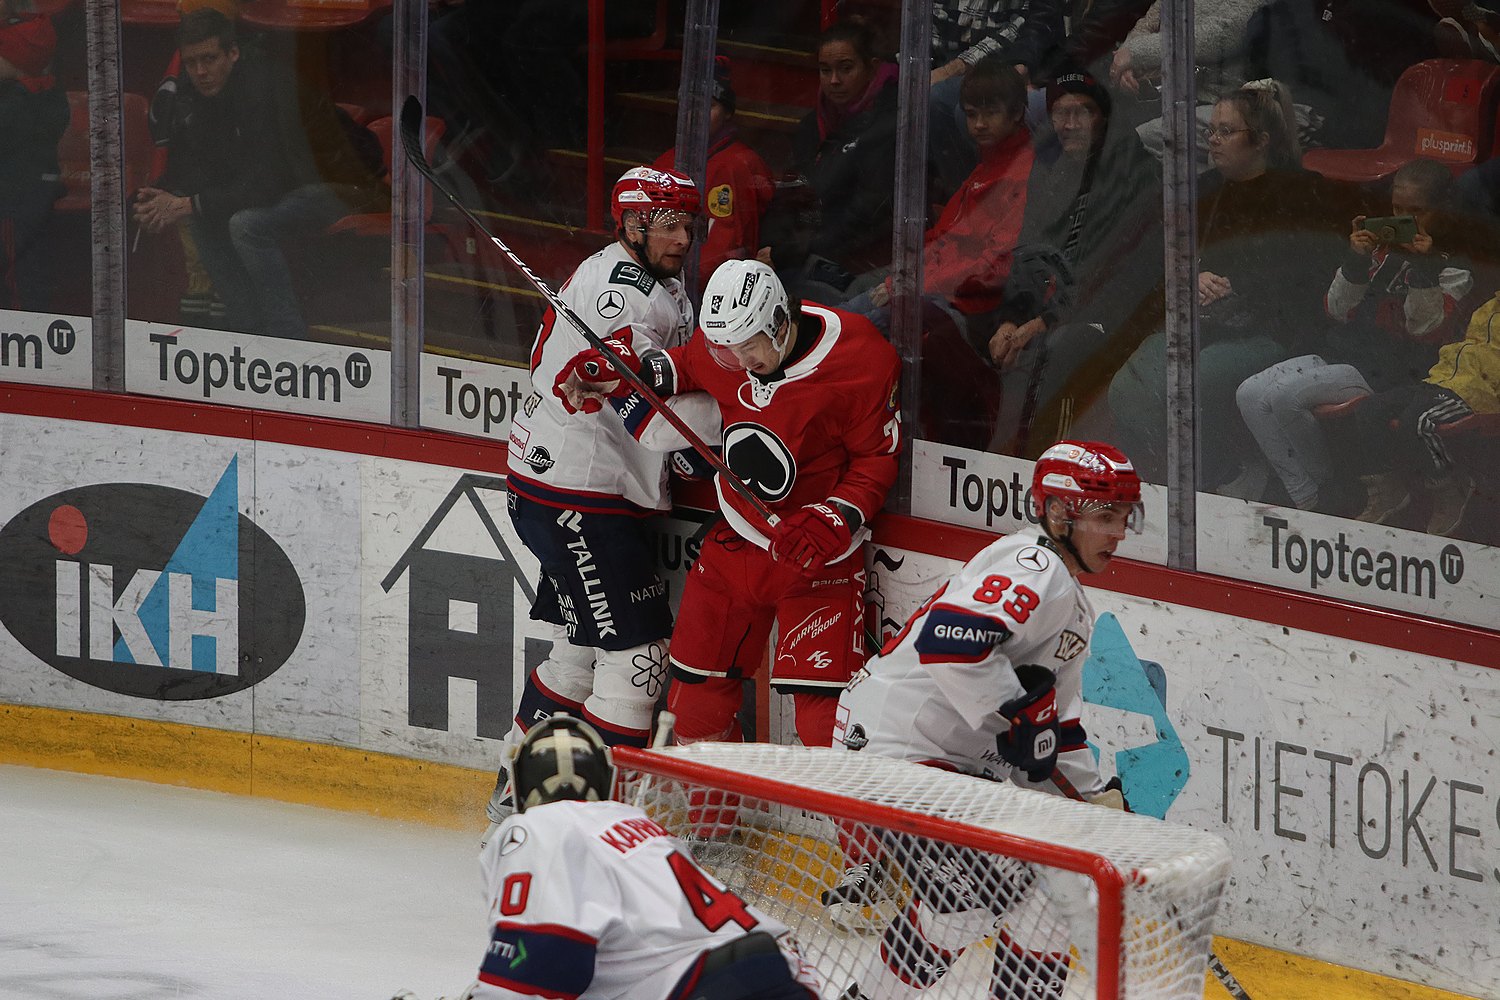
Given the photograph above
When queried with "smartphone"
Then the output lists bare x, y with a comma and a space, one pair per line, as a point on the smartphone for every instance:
1393, 229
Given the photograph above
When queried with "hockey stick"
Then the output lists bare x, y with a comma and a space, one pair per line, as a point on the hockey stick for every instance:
1224, 976
412, 116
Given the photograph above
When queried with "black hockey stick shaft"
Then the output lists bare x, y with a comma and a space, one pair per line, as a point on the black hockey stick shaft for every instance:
1224, 976
412, 116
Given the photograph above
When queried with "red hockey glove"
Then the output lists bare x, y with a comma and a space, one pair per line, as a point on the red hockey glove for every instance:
1031, 742
810, 537
588, 377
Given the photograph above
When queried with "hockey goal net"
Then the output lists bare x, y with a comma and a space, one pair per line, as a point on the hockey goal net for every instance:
900, 880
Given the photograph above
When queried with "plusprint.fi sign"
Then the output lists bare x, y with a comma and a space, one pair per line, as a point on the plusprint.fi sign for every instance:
150, 591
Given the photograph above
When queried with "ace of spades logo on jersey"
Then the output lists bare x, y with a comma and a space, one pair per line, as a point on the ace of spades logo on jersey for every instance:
761, 459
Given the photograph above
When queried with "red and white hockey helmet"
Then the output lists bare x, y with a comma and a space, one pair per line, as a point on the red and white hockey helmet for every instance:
647, 190
743, 298
1085, 476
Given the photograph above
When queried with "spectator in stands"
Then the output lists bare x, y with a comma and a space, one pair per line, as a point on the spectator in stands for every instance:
1393, 305
964, 32
1406, 422
198, 305
1094, 33
1220, 55
833, 220
1267, 238
33, 117
967, 261
1467, 30
254, 162
1094, 201
1341, 59
739, 183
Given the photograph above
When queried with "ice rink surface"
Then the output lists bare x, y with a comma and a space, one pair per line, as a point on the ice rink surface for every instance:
127, 890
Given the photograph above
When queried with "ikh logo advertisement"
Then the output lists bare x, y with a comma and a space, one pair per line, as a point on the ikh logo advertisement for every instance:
150, 591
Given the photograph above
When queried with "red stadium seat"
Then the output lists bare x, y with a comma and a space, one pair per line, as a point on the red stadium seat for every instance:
1441, 109
653, 46
152, 12
379, 223
310, 14
73, 150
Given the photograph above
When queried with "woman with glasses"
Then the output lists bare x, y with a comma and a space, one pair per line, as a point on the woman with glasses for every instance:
1267, 240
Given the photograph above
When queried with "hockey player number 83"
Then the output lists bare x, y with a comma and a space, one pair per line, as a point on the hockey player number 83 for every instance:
1020, 607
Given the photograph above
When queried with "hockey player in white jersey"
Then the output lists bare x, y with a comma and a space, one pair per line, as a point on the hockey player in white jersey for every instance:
986, 678
580, 485
591, 898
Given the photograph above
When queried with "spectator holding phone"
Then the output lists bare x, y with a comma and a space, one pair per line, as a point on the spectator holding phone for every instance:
1394, 299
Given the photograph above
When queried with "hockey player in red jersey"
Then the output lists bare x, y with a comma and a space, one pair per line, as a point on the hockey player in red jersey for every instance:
738, 181
580, 486
809, 398
986, 678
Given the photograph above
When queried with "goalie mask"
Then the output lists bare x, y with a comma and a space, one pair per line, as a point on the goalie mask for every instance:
1087, 476
560, 759
743, 299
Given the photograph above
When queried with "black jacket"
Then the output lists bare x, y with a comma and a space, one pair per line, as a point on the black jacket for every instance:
1114, 199
260, 138
844, 210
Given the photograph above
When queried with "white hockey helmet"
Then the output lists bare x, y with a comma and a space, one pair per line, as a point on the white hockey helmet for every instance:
561, 758
743, 298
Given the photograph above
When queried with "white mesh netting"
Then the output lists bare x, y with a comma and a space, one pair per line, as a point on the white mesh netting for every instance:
945, 911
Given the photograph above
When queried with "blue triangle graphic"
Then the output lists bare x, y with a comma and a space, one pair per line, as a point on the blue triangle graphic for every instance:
209, 551
1114, 676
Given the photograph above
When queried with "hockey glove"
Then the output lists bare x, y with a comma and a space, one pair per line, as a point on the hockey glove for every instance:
810, 537
1031, 742
588, 377
1113, 796
690, 465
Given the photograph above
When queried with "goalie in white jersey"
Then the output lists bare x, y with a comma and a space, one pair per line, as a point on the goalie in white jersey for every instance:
986, 678
592, 898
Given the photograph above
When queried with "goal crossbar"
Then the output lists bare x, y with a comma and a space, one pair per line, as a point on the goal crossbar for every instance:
1044, 830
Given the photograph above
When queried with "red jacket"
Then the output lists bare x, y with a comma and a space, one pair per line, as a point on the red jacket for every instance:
739, 189
968, 253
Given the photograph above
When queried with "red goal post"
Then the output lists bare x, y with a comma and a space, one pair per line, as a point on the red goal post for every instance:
779, 825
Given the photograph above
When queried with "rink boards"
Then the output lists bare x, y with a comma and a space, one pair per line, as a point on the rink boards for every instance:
336, 613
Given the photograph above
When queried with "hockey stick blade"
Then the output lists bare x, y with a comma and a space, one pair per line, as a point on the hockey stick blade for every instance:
412, 116
1224, 976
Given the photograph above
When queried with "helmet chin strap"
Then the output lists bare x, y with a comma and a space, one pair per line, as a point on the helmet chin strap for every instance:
1066, 541
639, 249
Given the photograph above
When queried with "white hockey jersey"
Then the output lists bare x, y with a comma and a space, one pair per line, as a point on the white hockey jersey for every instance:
933, 694
596, 900
588, 461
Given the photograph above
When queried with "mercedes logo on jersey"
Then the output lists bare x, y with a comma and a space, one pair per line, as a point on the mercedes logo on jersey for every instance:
1033, 559
761, 459
514, 838
610, 303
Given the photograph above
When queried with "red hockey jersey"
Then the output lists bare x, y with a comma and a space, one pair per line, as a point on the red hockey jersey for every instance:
828, 425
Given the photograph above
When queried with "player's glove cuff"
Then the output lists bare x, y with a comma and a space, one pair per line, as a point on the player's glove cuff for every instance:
814, 535
1032, 739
